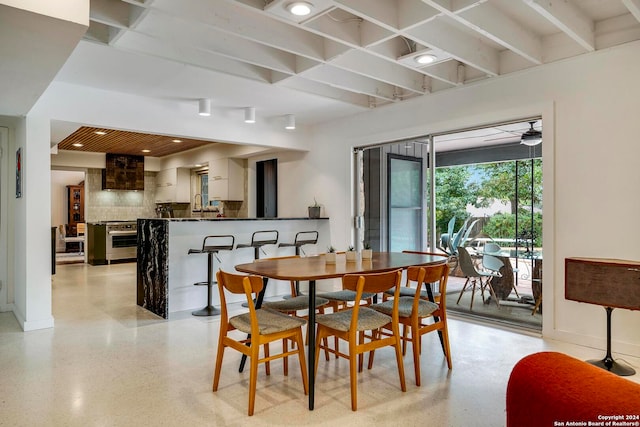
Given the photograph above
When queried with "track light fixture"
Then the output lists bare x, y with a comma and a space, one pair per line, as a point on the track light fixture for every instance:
204, 107
250, 115
291, 121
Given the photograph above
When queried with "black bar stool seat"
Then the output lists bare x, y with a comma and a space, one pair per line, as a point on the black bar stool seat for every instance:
302, 238
260, 239
211, 245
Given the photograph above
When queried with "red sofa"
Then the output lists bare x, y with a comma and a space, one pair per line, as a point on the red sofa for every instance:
553, 389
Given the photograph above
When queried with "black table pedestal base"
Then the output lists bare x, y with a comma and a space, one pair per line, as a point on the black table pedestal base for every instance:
608, 363
207, 311
614, 367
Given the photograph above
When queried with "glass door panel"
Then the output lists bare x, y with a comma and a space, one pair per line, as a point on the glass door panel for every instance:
404, 203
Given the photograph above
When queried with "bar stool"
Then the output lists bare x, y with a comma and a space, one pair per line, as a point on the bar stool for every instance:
302, 238
211, 245
258, 240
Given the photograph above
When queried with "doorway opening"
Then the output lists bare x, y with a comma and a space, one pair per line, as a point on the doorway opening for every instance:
267, 188
68, 215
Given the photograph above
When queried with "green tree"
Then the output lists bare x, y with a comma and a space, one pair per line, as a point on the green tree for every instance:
497, 182
454, 190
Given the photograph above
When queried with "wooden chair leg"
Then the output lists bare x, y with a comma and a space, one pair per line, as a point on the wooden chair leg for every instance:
353, 377
403, 385
303, 365
415, 344
360, 355
253, 377
473, 294
285, 361
464, 287
321, 336
216, 374
445, 341
267, 364
405, 331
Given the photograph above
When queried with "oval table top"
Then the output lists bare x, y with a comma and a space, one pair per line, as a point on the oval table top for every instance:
316, 267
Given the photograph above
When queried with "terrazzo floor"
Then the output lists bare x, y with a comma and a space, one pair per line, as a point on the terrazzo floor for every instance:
109, 362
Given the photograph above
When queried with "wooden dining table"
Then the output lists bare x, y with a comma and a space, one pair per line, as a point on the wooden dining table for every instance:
315, 268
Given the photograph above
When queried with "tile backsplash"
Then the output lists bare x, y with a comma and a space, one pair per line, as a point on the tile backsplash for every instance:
103, 205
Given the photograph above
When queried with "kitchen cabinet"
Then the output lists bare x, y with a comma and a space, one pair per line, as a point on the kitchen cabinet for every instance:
226, 179
173, 185
75, 210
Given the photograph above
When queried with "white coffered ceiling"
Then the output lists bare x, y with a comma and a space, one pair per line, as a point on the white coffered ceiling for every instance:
346, 57
361, 52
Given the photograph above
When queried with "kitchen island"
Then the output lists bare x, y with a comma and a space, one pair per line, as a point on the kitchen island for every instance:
166, 273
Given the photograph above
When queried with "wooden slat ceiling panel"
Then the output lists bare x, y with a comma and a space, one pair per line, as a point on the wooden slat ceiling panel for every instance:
123, 142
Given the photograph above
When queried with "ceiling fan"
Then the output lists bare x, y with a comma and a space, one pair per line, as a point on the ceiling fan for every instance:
528, 136
532, 136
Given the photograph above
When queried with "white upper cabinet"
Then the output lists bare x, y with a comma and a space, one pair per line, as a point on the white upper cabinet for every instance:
226, 179
173, 186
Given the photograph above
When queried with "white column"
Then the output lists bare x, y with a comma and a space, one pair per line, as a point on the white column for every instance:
31, 242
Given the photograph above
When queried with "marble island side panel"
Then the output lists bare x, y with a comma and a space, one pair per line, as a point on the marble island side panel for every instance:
166, 273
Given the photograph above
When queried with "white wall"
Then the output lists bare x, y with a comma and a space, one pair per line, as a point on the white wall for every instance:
589, 106
6, 297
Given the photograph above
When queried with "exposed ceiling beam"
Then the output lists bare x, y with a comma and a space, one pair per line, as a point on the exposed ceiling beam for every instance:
491, 22
569, 19
634, 7
494, 24
377, 68
463, 47
209, 39
347, 80
257, 27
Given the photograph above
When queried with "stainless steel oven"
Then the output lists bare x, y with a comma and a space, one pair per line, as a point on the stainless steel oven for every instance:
122, 240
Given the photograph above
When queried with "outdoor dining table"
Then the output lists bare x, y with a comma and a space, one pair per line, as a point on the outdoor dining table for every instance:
314, 268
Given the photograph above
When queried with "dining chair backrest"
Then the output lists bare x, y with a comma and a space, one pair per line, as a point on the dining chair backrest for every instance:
374, 283
81, 228
491, 248
426, 275
492, 263
466, 263
238, 284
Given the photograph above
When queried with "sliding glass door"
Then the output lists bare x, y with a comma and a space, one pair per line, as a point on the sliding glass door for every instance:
405, 202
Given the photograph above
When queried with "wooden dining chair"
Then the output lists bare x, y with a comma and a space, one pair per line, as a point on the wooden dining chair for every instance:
295, 304
409, 290
263, 325
414, 312
351, 324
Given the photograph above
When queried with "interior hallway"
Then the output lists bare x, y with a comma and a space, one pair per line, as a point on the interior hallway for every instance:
108, 362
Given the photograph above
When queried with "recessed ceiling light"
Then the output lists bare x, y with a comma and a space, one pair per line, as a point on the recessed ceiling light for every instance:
77, 144
176, 140
197, 166
300, 8
146, 151
99, 132
425, 59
